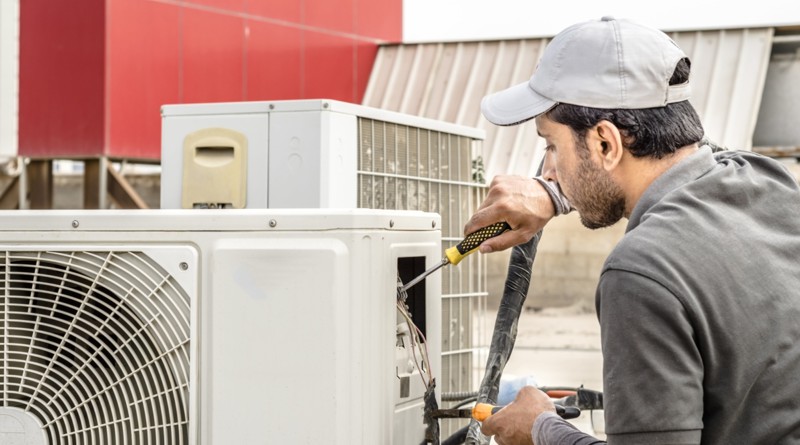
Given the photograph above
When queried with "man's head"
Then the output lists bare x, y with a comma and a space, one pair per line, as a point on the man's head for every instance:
632, 75
606, 63
622, 90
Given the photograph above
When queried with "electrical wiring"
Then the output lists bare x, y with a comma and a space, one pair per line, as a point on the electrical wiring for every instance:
415, 334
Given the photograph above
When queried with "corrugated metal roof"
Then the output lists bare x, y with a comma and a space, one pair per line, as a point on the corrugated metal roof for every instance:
446, 81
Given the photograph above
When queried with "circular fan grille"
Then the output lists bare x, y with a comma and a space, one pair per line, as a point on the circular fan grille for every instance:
95, 345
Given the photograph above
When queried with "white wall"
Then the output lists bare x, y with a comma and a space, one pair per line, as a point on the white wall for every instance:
462, 20
9, 77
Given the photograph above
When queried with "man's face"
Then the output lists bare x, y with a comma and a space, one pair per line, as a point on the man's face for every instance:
589, 188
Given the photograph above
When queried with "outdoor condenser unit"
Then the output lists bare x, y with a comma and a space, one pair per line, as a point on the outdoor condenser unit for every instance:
331, 154
215, 327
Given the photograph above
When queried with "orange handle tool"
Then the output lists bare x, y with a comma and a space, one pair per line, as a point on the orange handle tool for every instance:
483, 411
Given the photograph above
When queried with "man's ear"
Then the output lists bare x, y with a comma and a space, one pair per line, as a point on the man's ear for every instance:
606, 143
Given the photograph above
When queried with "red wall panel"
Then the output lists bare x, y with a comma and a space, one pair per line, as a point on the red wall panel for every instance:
61, 77
380, 19
143, 74
330, 15
213, 57
329, 64
289, 11
230, 5
94, 73
365, 57
274, 64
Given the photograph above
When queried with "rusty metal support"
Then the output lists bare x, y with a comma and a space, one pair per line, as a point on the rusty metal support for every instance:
9, 197
93, 192
40, 183
121, 191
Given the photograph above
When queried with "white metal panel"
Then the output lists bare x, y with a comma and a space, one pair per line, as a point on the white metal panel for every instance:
459, 20
312, 160
9, 78
729, 68
728, 74
176, 128
777, 131
293, 331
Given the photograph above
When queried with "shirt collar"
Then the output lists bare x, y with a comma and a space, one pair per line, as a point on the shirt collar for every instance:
688, 169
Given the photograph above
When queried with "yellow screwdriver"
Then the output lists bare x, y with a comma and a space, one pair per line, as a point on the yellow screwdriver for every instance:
455, 254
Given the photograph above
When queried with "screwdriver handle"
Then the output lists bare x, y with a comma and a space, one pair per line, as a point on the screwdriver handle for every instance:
472, 241
482, 411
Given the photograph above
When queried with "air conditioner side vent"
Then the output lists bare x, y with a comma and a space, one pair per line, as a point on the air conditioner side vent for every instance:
95, 346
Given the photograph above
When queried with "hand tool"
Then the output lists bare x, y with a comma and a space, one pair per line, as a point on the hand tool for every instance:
483, 411
455, 254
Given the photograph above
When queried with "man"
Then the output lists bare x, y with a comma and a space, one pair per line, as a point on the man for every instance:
699, 303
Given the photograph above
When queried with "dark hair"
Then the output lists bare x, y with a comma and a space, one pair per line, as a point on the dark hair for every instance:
653, 132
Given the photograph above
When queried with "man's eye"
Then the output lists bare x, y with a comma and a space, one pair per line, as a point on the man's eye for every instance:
550, 148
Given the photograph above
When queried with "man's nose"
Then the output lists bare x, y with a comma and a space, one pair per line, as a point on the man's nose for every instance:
549, 167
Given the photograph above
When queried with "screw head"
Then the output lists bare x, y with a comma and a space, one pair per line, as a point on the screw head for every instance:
75, 224
391, 223
273, 223
433, 224
183, 265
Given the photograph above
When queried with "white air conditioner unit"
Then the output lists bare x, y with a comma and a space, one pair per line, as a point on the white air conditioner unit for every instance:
214, 327
310, 154
321, 153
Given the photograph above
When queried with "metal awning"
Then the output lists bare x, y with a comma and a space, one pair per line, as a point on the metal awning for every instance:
446, 81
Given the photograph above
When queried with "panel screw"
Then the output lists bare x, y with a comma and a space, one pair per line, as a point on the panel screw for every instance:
391, 223
271, 106
183, 265
433, 224
273, 223
75, 224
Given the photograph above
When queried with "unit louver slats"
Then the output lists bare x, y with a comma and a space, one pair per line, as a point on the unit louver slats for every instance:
95, 347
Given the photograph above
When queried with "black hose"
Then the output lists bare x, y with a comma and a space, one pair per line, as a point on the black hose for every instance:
457, 438
518, 280
505, 328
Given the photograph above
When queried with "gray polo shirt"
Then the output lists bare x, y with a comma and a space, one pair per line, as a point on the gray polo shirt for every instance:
699, 308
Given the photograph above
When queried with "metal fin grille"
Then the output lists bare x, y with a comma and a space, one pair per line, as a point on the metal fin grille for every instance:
409, 168
95, 345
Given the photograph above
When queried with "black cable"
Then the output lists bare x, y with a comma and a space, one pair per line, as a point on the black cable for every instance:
505, 327
457, 438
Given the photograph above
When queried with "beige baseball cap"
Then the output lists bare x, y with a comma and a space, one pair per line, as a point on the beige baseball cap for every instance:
606, 63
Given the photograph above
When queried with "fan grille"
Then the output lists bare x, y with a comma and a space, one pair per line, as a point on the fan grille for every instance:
95, 345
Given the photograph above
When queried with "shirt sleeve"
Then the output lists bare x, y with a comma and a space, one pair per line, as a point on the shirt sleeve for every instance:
652, 367
550, 429
561, 204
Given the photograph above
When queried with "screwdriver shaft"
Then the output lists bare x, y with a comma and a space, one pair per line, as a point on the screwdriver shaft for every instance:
424, 274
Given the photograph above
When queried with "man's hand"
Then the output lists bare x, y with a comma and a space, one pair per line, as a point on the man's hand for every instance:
512, 425
521, 202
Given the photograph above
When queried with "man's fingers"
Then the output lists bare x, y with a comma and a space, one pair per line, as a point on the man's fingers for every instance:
488, 426
503, 242
481, 219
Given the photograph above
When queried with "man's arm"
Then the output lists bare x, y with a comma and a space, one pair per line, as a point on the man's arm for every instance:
550, 429
531, 419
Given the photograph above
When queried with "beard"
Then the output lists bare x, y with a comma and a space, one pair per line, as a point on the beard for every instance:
598, 199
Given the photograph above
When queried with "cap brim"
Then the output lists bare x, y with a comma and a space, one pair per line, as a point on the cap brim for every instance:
514, 105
